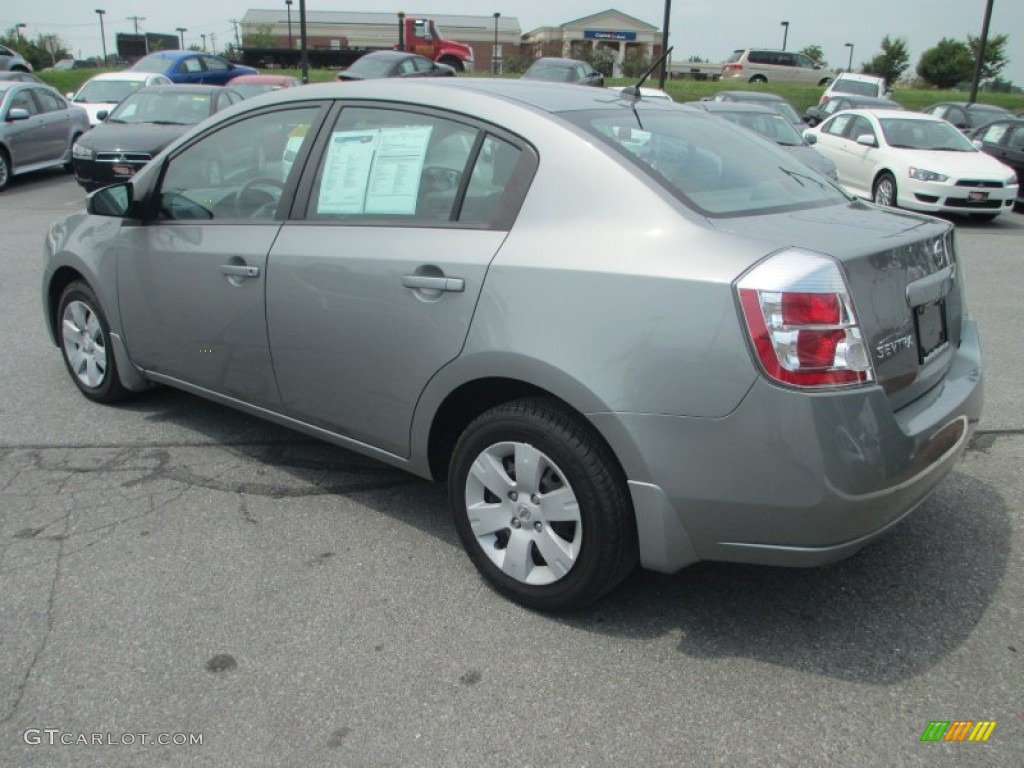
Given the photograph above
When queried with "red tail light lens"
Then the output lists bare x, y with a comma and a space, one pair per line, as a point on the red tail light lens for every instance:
733, 67
801, 320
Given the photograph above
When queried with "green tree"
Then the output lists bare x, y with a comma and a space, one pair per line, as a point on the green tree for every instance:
635, 63
262, 37
891, 62
815, 52
947, 64
995, 55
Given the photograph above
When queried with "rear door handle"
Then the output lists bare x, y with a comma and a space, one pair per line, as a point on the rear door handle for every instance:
426, 282
239, 270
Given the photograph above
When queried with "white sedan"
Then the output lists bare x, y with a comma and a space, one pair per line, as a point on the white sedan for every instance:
105, 91
914, 161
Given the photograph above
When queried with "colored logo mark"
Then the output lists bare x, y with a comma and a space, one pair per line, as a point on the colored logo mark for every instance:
958, 730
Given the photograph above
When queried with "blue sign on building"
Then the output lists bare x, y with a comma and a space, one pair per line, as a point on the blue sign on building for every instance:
601, 34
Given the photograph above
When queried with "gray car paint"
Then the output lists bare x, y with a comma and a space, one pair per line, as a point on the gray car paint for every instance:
617, 298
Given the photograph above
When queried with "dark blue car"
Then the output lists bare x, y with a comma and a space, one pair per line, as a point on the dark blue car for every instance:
193, 67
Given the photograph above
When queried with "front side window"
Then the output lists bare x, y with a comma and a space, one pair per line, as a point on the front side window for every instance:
190, 65
715, 167
213, 64
49, 101
23, 100
393, 164
994, 133
837, 125
861, 126
238, 172
1016, 140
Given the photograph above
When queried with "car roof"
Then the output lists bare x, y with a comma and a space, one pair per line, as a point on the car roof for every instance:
751, 95
859, 77
193, 89
854, 98
539, 94
389, 55
898, 113
733, 106
126, 74
557, 61
970, 105
260, 80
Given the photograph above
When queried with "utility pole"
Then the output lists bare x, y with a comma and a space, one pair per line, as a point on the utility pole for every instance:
203, 35
302, 38
663, 75
103, 37
981, 53
136, 19
181, 35
238, 43
213, 42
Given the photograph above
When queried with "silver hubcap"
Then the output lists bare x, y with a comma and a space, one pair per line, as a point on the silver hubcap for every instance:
83, 344
884, 193
523, 513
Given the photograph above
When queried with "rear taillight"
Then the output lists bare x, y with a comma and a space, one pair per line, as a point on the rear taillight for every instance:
802, 324
733, 68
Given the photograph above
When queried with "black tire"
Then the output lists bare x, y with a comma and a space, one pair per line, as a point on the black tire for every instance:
5, 170
758, 79
824, 82
577, 465
884, 190
454, 63
95, 370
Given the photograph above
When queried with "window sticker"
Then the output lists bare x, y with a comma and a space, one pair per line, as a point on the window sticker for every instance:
374, 171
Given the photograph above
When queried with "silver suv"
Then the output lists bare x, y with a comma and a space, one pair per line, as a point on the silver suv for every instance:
13, 61
762, 65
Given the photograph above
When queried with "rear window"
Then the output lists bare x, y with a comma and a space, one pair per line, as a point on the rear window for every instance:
857, 87
734, 57
158, 64
709, 164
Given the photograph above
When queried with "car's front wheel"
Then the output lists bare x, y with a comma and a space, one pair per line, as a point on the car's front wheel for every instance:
85, 343
885, 190
541, 505
758, 79
5, 170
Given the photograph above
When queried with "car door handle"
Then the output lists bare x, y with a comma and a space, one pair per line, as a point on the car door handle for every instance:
239, 270
421, 282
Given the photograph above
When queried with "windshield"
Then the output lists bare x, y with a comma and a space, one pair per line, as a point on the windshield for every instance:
709, 164
936, 135
554, 74
107, 91
162, 106
786, 111
857, 87
368, 66
773, 126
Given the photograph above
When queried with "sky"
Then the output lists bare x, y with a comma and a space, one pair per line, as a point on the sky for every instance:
710, 29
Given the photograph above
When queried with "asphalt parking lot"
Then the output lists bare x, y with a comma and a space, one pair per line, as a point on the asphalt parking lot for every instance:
173, 571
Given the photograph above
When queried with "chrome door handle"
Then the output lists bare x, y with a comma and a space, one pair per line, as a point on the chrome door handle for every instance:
237, 270
425, 282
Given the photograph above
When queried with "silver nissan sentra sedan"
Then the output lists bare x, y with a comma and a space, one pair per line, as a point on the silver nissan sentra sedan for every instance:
620, 331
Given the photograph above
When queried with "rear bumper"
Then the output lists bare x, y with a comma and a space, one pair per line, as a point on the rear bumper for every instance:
791, 478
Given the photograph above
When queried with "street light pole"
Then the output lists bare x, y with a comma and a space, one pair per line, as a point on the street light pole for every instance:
203, 35
663, 74
302, 41
980, 53
291, 44
494, 50
18, 28
181, 35
785, 32
103, 37
849, 67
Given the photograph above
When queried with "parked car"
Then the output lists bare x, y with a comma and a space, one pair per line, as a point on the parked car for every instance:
770, 100
655, 94
757, 368
966, 116
65, 65
192, 67
37, 129
256, 85
19, 76
103, 92
840, 103
556, 70
852, 84
1004, 140
768, 123
377, 64
11, 60
914, 161
142, 125
764, 65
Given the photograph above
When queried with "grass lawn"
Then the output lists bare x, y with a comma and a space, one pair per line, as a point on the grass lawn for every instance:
800, 96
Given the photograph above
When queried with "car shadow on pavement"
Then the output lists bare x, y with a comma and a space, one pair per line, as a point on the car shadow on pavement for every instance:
889, 613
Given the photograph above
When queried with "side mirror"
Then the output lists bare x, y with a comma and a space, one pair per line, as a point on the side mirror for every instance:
867, 140
102, 114
810, 137
17, 113
70, 95
113, 201
978, 144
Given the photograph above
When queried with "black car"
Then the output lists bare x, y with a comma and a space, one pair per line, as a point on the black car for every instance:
966, 116
142, 125
564, 71
394, 64
770, 100
841, 102
1004, 140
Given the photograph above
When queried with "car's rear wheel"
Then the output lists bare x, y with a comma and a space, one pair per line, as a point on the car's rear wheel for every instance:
758, 79
541, 505
85, 344
885, 190
824, 82
5, 170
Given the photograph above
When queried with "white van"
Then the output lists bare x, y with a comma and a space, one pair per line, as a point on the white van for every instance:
763, 65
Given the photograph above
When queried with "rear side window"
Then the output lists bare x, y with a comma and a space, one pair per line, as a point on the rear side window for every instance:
1016, 141
760, 57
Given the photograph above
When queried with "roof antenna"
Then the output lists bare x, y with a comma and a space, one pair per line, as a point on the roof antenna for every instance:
632, 92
